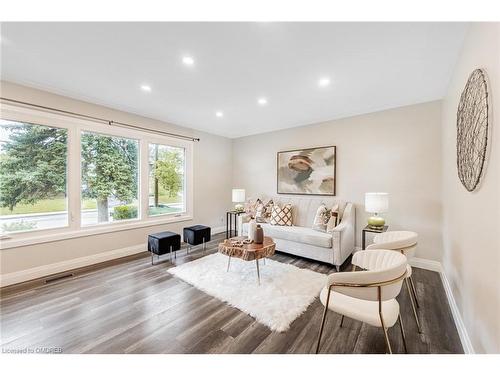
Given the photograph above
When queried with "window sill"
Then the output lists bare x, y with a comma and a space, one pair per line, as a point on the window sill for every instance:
13, 242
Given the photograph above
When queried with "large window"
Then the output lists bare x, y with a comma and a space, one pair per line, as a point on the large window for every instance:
109, 178
166, 179
63, 177
33, 164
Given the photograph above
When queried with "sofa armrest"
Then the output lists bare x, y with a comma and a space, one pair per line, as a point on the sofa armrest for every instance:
344, 235
244, 218
341, 227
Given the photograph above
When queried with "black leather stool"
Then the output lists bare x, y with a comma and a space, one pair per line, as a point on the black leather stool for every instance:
196, 235
163, 243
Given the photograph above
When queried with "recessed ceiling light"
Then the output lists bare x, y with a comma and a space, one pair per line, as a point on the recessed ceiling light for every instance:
219, 114
262, 101
188, 60
323, 82
146, 88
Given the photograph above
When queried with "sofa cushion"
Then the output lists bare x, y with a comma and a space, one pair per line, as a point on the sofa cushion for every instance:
297, 234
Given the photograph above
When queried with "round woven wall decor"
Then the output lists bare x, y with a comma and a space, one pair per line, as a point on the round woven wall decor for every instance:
472, 130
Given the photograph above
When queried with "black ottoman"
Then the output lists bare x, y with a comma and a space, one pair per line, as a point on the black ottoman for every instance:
196, 235
163, 243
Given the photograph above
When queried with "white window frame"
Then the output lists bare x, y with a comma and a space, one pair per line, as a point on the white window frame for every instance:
152, 141
104, 133
75, 127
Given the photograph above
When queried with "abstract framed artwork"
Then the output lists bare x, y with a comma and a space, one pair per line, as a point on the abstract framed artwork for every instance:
309, 171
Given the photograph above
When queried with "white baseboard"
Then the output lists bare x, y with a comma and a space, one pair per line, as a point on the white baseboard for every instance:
217, 230
66, 265
426, 264
436, 266
50, 269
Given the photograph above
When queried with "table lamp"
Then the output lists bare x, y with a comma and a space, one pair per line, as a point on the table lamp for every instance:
238, 198
376, 203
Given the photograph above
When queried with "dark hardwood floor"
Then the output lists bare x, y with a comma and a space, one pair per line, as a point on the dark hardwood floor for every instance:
133, 307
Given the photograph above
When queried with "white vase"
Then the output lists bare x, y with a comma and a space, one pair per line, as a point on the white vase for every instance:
252, 226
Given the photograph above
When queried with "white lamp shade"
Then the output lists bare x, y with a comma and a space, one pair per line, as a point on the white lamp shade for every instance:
238, 195
376, 202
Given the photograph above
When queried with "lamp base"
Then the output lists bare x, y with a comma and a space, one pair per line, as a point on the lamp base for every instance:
239, 207
376, 222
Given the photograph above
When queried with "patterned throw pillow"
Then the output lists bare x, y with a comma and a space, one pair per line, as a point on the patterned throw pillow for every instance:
259, 210
321, 218
268, 208
334, 219
251, 207
281, 216
326, 219
263, 211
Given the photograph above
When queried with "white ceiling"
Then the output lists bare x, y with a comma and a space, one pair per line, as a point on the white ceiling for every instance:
372, 66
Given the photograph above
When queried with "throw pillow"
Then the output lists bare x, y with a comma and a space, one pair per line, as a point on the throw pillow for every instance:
259, 210
321, 218
281, 216
268, 208
334, 219
263, 211
251, 207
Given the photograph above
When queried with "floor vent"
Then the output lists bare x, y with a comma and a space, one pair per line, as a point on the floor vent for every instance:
58, 277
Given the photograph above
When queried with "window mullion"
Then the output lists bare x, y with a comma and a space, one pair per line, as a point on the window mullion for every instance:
144, 178
74, 178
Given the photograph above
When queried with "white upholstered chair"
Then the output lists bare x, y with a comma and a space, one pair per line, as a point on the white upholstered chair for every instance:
368, 296
405, 242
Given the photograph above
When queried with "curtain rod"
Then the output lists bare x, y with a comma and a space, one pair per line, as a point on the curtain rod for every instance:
109, 122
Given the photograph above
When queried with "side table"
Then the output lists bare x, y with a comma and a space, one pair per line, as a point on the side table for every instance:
229, 222
371, 230
248, 252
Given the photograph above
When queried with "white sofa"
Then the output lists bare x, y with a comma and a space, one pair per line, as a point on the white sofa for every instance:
300, 239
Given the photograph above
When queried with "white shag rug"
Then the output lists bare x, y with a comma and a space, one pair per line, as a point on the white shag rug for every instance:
284, 293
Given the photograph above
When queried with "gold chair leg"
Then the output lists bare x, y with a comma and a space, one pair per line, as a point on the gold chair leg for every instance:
402, 332
323, 321
342, 320
413, 305
379, 292
414, 292
385, 333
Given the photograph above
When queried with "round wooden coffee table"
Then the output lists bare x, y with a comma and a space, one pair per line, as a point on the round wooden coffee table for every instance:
248, 252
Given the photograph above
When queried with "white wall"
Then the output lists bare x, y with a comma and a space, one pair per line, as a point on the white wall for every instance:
397, 151
471, 258
212, 189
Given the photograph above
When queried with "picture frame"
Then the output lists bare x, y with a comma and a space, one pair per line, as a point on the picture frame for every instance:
307, 171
